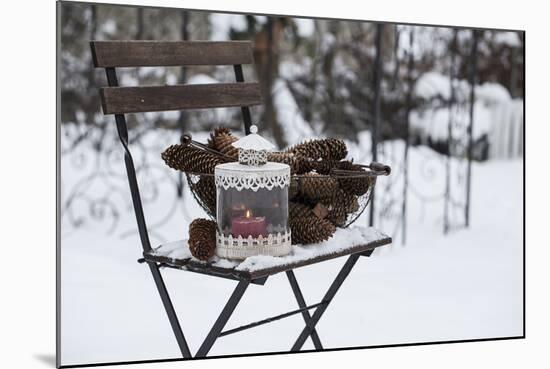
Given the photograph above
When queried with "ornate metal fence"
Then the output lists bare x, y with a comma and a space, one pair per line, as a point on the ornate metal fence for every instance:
441, 177
94, 188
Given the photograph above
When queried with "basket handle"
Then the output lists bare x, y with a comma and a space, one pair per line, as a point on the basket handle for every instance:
380, 169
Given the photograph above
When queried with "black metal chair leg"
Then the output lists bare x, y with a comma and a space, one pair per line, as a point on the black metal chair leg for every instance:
344, 272
182, 343
302, 304
222, 319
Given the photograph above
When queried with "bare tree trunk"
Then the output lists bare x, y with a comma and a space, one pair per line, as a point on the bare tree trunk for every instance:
472, 80
266, 55
184, 33
90, 108
395, 56
310, 111
452, 101
376, 107
140, 22
272, 66
93, 35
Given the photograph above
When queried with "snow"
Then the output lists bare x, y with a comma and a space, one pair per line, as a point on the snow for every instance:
128, 79
434, 122
507, 38
223, 23
341, 240
171, 115
295, 128
143, 72
492, 93
261, 19
109, 27
358, 150
201, 79
434, 84
306, 27
291, 69
464, 285
174, 250
424, 41
171, 79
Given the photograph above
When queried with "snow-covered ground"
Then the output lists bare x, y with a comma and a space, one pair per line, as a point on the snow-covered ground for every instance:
467, 284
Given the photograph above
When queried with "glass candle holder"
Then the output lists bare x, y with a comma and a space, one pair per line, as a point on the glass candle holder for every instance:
252, 203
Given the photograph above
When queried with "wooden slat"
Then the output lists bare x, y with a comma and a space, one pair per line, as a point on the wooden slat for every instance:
170, 53
121, 100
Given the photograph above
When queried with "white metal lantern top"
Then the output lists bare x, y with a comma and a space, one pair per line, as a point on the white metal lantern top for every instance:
253, 148
254, 141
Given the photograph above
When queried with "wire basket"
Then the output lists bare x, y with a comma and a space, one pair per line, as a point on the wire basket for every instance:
203, 188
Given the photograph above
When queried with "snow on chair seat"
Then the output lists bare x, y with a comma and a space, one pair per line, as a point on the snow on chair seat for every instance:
345, 241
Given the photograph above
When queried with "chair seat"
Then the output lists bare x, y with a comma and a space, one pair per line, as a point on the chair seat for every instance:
344, 242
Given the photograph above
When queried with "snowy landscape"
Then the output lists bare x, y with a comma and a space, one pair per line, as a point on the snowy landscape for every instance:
467, 284
440, 280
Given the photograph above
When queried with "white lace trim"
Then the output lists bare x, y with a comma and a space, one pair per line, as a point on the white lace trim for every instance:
240, 248
269, 178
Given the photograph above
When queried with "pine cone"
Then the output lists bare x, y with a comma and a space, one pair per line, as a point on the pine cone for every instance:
306, 227
222, 140
293, 188
312, 187
297, 210
218, 131
324, 166
298, 164
191, 159
355, 185
326, 149
202, 238
341, 205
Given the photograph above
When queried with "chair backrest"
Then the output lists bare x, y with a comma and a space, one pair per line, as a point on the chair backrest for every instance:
121, 100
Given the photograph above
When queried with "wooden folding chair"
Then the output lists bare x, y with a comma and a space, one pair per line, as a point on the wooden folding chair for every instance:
122, 100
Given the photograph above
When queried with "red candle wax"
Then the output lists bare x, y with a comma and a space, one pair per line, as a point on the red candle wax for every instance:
248, 226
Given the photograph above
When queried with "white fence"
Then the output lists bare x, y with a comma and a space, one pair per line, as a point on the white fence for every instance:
506, 132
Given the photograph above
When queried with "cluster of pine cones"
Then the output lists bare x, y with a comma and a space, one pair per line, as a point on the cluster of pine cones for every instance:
318, 203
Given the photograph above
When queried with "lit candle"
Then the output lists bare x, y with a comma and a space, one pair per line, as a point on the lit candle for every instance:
238, 210
248, 226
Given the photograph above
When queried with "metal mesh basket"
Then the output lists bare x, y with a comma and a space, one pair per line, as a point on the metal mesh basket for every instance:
203, 188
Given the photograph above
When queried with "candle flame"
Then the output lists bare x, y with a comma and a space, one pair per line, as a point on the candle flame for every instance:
247, 214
